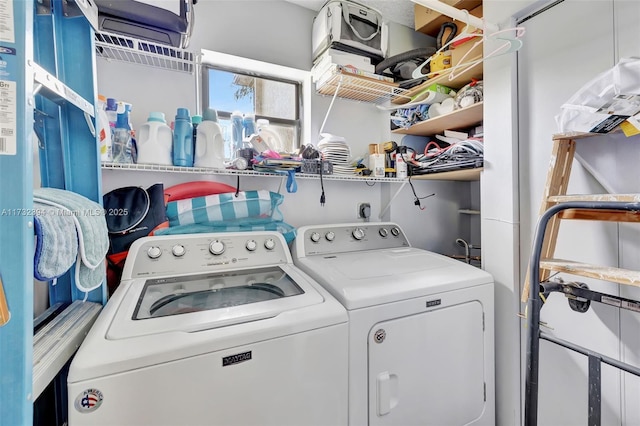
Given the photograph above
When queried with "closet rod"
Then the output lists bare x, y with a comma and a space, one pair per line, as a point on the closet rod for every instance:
458, 14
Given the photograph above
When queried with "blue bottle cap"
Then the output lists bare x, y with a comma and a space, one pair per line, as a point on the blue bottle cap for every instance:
123, 121
196, 119
210, 114
156, 116
183, 113
112, 104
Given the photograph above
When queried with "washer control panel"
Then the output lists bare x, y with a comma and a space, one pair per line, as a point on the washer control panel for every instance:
340, 238
172, 255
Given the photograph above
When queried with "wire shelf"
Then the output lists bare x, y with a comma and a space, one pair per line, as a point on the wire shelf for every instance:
233, 172
359, 87
126, 49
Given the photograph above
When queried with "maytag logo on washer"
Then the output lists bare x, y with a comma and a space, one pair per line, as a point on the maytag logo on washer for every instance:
88, 401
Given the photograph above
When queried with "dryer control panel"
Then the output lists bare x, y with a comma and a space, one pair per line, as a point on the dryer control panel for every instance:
171, 255
349, 237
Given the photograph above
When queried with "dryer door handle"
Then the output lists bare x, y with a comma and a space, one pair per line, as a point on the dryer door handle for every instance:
387, 392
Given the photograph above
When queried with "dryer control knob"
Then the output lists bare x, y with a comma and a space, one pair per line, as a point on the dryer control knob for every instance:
330, 236
395, 231
315, 237
178, 250
251, 245
154, 252
358, 233
216, 247
270, 244
383, 232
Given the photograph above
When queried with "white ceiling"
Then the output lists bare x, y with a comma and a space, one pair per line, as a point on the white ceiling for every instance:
398, 11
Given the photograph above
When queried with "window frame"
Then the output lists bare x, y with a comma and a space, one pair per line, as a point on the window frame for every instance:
230, 63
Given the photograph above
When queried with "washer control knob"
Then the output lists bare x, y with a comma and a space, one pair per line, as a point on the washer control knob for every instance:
251, 245
269, 244
178, 250
330, 236
383, 232
216, 247
395, 231
154, 252
358, 233
315, 237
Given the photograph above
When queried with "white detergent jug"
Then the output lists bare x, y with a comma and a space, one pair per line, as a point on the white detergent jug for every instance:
209, 142
155, 141
270, 136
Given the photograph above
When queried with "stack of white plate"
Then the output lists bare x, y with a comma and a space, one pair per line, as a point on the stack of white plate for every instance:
335, 150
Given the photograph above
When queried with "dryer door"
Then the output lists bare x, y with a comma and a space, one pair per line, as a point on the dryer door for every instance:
428, 368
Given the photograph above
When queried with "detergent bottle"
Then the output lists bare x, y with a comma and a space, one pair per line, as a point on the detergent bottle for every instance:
236, 130
270, 136
183, 139
105, 137
209, 142
248, 125
155, 141
122, 145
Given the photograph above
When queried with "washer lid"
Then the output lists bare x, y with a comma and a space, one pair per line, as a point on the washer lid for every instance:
368, 278
206, 301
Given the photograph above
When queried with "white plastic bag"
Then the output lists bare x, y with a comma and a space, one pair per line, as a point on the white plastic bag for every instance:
604, 102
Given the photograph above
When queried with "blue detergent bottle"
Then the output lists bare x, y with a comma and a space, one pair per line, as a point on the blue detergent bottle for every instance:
183, 139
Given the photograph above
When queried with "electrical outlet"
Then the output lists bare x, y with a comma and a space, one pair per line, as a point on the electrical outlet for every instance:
364, 210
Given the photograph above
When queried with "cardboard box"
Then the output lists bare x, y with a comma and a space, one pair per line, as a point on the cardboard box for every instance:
428, 21
470, 46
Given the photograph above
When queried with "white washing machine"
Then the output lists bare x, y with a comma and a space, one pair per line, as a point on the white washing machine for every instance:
215, 329
421, 345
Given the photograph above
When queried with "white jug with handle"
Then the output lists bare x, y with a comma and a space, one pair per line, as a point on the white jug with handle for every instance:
155, 141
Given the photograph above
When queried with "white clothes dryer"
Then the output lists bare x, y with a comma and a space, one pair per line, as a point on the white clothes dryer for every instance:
421, 325
215, 329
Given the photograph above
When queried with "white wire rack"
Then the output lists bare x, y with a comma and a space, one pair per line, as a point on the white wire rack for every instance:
126, 49
233, 172
359, 87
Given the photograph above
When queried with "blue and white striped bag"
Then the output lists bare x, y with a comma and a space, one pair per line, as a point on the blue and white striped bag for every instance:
226, 209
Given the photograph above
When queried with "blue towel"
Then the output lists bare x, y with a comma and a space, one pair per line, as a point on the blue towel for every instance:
56, 242
91, 230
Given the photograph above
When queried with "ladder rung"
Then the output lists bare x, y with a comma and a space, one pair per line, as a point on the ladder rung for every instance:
606, 273
602, 215
594, 197
55, 343
58, 92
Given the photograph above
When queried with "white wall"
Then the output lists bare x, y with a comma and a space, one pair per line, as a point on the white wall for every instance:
564, 48
280, 32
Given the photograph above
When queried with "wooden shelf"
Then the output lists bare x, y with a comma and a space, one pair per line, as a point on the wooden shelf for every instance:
462, 79
465, 175
458, 119
606, 273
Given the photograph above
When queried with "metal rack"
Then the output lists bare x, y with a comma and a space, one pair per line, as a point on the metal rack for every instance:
580, 298
233, 172
359, 87
126, 49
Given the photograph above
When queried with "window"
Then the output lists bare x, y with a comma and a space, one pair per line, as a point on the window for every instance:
278, 94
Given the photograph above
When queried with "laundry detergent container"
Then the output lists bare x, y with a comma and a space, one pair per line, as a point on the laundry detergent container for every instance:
209, 150
155, 141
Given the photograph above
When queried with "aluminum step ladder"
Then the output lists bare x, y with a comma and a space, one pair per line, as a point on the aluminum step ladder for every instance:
556, 206
47, 88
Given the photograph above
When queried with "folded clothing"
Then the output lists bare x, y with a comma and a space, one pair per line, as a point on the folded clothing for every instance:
91, 231
287, 231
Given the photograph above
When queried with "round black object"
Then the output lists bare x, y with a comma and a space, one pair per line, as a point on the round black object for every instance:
580, 306
125, 208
